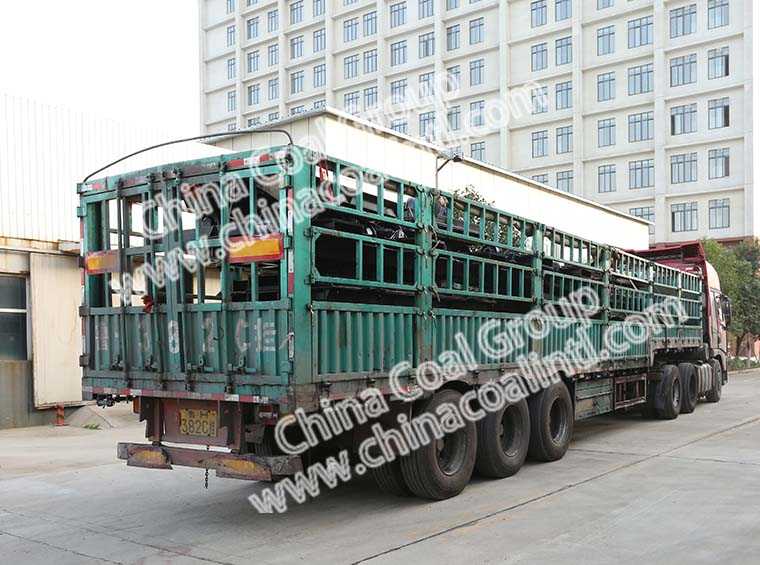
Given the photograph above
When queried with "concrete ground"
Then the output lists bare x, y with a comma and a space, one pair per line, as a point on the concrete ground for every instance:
629, 491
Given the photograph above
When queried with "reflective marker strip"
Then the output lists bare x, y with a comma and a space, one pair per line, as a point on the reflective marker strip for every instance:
100, 262
255, 249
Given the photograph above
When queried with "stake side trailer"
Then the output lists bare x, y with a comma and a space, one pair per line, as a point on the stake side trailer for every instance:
325, 305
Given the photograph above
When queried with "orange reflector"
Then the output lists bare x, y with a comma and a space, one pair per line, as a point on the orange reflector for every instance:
100, 262
255, 249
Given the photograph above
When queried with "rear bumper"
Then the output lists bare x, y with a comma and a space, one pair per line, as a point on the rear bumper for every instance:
228, 465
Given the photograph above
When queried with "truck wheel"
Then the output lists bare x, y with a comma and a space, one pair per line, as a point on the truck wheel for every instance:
668, 401
715, 392
503, 439
442, 468
551, 423
689, 387
390, 480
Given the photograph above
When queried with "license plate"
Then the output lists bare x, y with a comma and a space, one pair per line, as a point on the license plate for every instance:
194, 422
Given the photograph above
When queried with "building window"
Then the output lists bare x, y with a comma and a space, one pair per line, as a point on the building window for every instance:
427, 125
318, 7
452, 4
370, 61
540, 100
319, 40
478, 150
453, 78
719, 212
295, 110
605, 87
563, 51
254, 94
606, 132
370, 97
253, 61
320, 75
477, 71
453, 117
13, 319
640, 32
717, 13
452, 37
640, 79
477, 31
538, 13
273, 55
398, 14
683, 70
540, 143
539, 57
717, 63
273, 116
230, 6
296, 47
351, 66
398, 53
606, 178
565, 181
400, 125
718, 113
683, 168
477, 113
398, 91
564, 95
350, 30
605, 40
645, 213
231, 101
543, 178
602, 4
319, 104
641, 174
683, 119
427, 45
564, 139
427, 84
683, 217
252, 28
425, 8
563, 9
296, 82
640, 127
718, 163
369, 22
253, 122
296, 12
683, 20
351, 102
273, 87
230, 36
272, 21
231, 69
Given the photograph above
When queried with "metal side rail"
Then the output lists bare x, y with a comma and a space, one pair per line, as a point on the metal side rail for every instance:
227, 465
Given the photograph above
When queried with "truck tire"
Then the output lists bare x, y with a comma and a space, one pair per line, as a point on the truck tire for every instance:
551, 423
668, 400
714, 394
389, 479
442, 468
689, 387
503, 439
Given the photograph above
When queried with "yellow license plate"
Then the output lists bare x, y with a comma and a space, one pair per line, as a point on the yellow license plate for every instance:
193, 422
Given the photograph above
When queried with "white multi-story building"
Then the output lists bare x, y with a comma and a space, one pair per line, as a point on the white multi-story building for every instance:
644, 105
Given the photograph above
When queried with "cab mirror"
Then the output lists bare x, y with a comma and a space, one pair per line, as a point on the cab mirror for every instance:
725, 303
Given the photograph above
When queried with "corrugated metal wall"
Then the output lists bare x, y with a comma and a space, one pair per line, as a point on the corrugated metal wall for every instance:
45, 151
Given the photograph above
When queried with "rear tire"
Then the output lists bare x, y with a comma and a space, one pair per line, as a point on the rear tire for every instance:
551, 423
442, 468
689, 387
668, 400
716, 391
390, 480
503, 440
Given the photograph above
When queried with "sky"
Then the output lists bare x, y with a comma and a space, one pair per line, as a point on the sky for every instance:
134, 61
